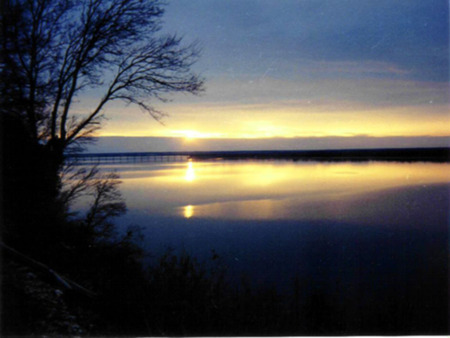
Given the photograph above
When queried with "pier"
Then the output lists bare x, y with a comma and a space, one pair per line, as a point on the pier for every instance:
401, 155
135, 157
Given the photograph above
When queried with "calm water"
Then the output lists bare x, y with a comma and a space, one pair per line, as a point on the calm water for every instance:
358, 235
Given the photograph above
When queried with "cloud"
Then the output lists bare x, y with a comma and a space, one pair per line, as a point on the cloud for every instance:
249, 35
358, 68
308, 67
353, 91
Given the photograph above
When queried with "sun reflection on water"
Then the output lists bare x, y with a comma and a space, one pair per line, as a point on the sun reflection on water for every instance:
190, 173
188, 211
272, 189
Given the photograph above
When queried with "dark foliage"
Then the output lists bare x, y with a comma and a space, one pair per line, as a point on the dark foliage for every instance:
31, 211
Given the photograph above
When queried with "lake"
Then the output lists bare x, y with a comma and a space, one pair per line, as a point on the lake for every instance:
369, 240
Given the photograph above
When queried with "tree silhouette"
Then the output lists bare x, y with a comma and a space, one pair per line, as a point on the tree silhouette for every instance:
56, 50
53, 53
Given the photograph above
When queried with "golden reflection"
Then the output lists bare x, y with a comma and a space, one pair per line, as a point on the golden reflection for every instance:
190, 173
271, 189
188, 211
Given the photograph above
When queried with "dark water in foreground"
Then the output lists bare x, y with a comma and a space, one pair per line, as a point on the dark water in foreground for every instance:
365, 244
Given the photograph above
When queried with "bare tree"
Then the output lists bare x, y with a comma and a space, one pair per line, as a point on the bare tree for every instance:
54, 50
107, 203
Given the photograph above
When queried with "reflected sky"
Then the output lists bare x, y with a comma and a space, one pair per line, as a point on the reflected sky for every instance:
267, 190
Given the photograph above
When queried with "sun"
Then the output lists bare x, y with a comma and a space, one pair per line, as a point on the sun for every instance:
190, 135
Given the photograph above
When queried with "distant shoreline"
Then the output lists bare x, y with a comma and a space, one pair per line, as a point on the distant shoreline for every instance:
410, 154
441, 154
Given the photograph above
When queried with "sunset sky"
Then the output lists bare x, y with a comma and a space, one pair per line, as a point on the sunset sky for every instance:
306, 69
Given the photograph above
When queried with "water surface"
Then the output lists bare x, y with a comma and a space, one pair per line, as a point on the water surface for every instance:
267, 190
369, 240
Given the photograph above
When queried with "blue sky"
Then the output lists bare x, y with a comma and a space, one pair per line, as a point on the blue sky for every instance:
307, 68
252, 35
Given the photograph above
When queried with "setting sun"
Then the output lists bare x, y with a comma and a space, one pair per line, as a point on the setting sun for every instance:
190, 135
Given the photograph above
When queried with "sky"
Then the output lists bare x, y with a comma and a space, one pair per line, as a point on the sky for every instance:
309, 70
